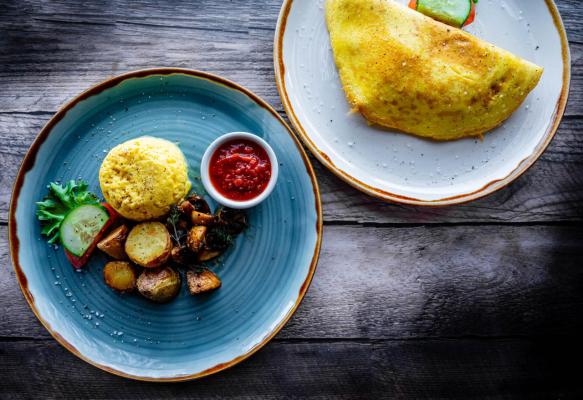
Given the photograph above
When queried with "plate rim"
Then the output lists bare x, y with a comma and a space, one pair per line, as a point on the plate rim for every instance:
28, 162
491, 187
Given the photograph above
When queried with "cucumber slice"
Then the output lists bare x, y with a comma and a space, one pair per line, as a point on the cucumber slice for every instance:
81, 226
451, 12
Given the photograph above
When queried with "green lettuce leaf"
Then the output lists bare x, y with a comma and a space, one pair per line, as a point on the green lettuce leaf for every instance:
58, 203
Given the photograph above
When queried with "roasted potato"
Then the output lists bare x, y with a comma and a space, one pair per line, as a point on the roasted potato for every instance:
206, 255
149, 244
113, 244
199, 218
202, 281
195, 238
159, 285
120, 275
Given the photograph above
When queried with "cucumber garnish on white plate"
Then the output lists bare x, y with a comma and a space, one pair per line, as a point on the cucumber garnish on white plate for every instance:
456, 13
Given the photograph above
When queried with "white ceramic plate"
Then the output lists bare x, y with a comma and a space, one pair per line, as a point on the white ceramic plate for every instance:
400, 167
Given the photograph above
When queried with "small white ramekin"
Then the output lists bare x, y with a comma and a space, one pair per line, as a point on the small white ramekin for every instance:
214, 193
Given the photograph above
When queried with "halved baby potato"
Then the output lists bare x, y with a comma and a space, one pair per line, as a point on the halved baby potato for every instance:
113, 244
159, 285
203, 281
120, 275
195, 238
149, 244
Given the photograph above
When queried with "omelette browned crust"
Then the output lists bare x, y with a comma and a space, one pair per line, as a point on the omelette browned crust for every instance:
406, 71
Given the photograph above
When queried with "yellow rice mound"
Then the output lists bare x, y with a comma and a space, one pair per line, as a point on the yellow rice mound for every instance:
142, 178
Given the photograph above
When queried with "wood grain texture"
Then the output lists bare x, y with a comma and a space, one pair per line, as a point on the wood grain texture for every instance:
475, 301
392, 283
461, 369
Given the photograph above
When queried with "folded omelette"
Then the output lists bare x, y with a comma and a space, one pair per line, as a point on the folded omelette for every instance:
406, 71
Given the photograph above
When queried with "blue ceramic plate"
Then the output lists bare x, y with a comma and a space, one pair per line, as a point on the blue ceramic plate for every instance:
265, 274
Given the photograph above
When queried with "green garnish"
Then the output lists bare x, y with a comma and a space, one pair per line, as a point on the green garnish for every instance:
230, 223
172, 220
58, 203
217, 238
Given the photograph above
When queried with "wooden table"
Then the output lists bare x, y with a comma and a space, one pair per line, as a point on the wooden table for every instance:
479, 300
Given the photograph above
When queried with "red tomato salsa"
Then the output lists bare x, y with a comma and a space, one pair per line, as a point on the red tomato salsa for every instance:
240, 169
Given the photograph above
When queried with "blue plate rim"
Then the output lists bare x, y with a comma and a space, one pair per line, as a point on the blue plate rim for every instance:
28, 163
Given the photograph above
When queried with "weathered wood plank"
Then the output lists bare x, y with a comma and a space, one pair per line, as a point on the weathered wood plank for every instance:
380, 283
551, 191
572, 15
378, 292
461, 369
52, 50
